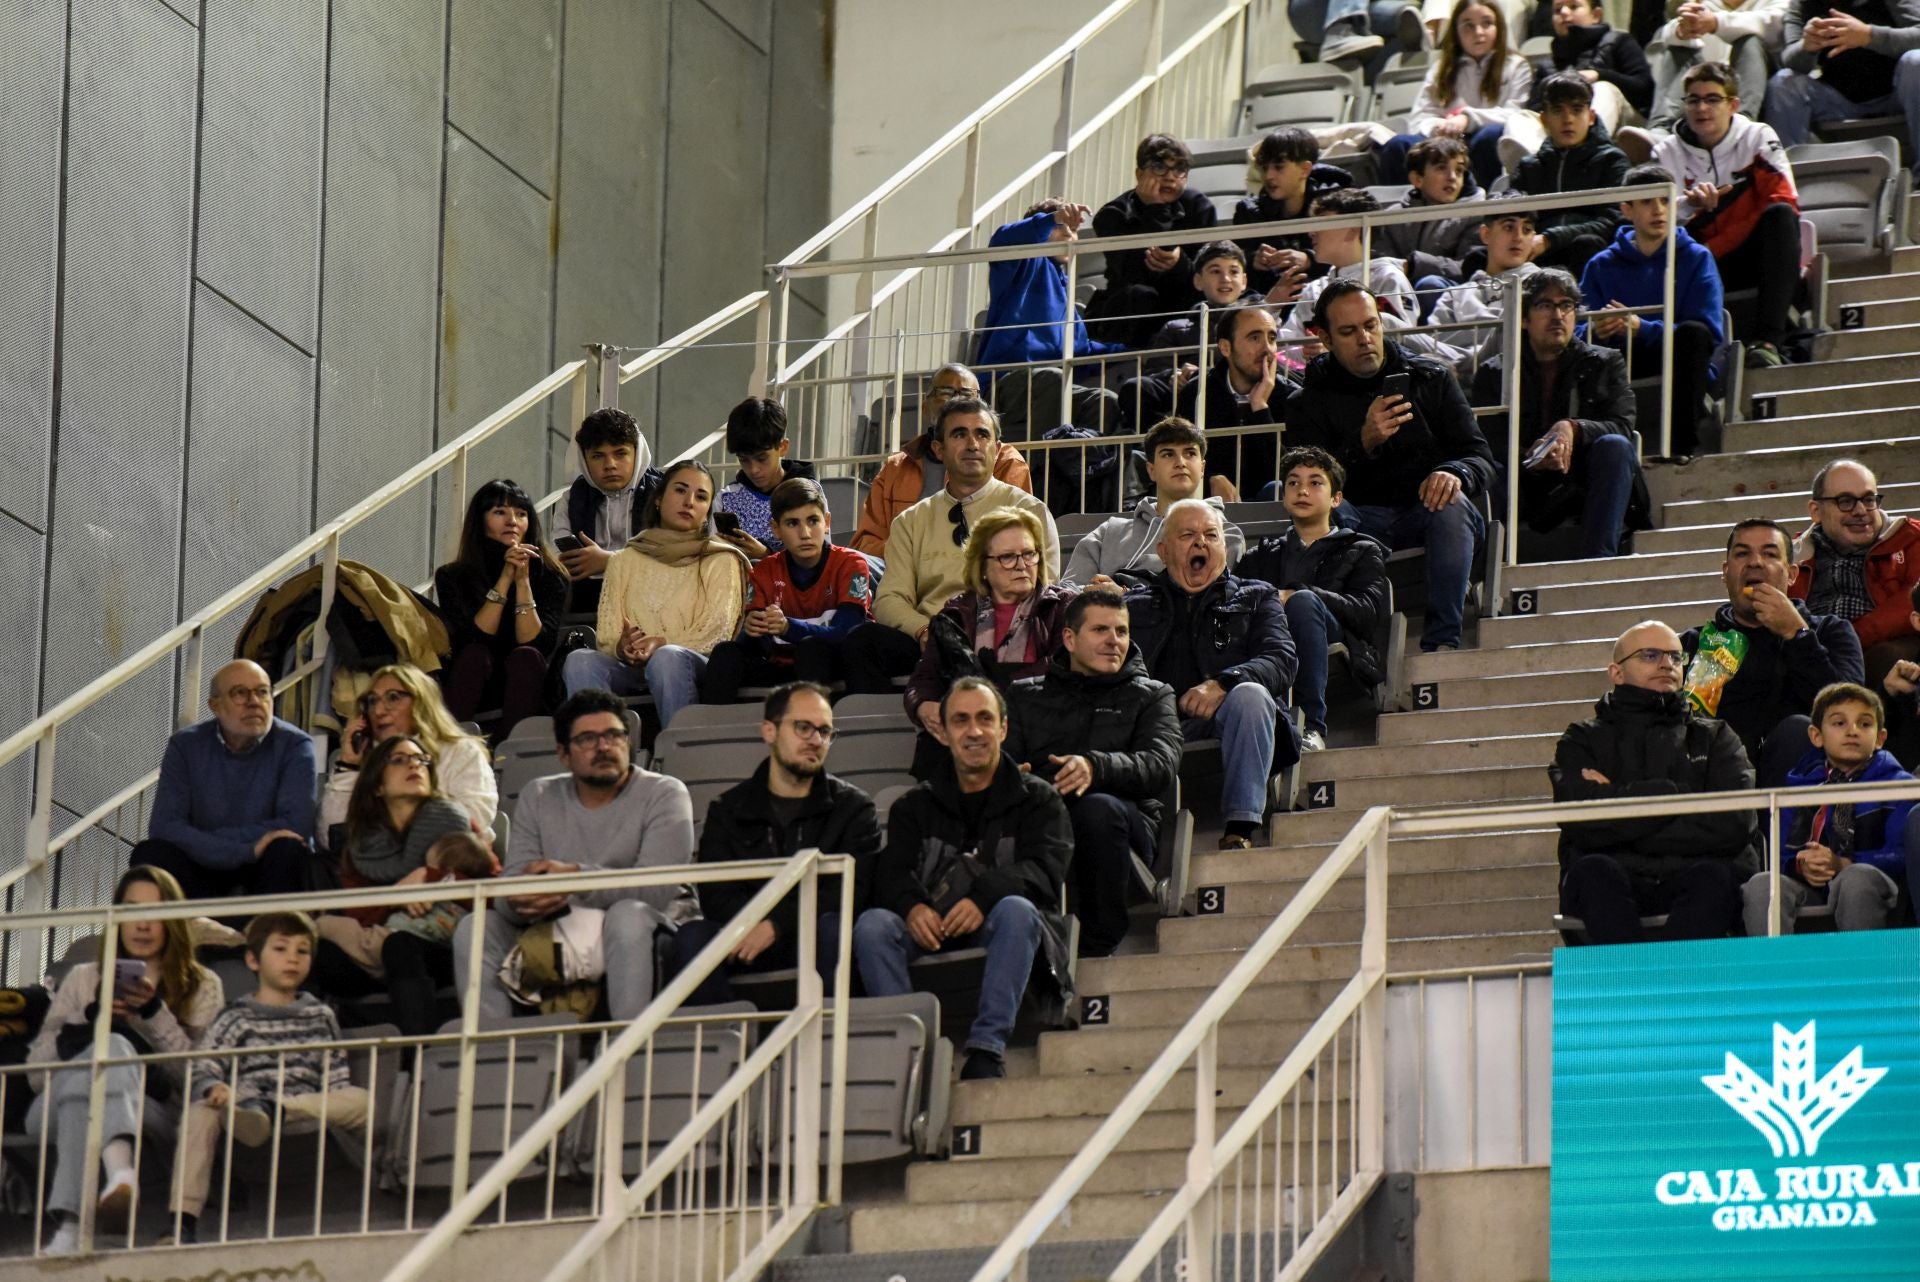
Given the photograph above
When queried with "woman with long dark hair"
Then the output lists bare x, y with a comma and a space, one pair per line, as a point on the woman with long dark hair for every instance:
671, 595
163, 1000
501, 597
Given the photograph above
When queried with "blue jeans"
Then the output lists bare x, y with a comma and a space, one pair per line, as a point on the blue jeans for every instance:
1797, 102
1244, 725
1314, 629
672, 674
1448, 536
883, 949
1311, 18
1607, 474
1483, 155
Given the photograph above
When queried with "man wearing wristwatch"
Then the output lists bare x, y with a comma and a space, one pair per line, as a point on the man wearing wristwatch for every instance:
1761, 660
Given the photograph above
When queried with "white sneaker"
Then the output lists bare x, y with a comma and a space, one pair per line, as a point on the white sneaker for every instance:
1410, 30
116, 1202
1346, 48
65, 1239
1312, 741
1511, 153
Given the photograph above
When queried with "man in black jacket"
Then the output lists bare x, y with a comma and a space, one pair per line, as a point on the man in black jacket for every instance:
1106, 735
788, 804
1332, 582
1578, 155
1414, 456
1222, 644
1244, 386
1146, 286
975, 857
1643, 741
1577, 394
1758, 665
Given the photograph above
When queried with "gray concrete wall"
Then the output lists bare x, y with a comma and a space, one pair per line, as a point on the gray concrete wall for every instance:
256, 256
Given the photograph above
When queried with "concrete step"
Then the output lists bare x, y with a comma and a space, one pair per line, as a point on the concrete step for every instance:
1241, 870
1776, 471
1464, 754
1458, 665
1326, 925
1315, 828
1094, 1095
1642, 565
987, 1223
1549, 716
1062, 1137
1590, 625
1811, 428
1500, 692
1879, 339
1601, 593
1861, 289
1407, 887
1845, 372
1888, 310
1301, 1001
1697, 540
1717, 514
1149, 972
1243, 1044
1148, 1171
1824, 393
1438, 788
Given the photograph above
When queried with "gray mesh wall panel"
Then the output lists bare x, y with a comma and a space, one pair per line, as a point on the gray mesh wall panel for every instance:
612, 151
22, 550
716, 155
246, 491
503, 80
32, 63
494, 310
263, 112
381, 276
116, 522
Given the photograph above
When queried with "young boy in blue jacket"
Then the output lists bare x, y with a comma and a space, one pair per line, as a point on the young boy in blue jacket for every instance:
1631, 273
1850, 856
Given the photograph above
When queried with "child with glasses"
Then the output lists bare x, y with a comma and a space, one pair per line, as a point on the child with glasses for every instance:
1146, 286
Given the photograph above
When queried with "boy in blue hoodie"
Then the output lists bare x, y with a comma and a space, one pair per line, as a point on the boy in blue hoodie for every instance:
1631, 273
1849, 856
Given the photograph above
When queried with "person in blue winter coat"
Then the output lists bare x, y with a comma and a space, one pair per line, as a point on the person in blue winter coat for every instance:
1852, 857
1631, 273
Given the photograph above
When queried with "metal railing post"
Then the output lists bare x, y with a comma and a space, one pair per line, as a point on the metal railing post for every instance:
785, 291
97, 1081
458, 506
1151, 53
1200, 371
469, 1025
1666, 331
190, 678
1776, 857
610, 375
1372, 1049
1068, 327
1063, 129
1200, 1227
961, 316
762, 330
1510, 348
842, 999
807, 1075
329, 593
894, 425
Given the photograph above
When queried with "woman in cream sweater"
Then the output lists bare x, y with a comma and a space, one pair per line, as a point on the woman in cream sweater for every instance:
671, 595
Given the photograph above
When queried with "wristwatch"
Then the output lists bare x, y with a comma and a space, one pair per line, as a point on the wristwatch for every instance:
493, 595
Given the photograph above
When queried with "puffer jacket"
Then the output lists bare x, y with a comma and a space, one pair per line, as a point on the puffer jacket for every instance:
1125, 725
1616, 56
1594, 164
1879, 827
949, 653
1349, 573
1261, 208
1893, 567
1240, 630
1648, 745
836, 817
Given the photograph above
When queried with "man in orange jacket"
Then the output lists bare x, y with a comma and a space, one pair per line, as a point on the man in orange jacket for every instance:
913, 473
1860, 562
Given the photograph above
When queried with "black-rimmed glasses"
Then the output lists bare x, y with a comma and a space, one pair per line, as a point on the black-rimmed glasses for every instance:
1848, 502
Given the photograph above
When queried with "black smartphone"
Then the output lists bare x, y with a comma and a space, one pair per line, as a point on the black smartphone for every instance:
567, 543
1395, 385
726, 522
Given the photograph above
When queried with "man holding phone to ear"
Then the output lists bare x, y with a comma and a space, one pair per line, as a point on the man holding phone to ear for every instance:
1402, 429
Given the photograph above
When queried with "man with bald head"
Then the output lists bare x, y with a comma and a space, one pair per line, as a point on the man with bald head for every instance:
1860, 561
234, 806
1222, 643
1644, 741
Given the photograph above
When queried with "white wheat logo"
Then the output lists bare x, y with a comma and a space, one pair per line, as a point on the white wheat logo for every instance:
1794, 1111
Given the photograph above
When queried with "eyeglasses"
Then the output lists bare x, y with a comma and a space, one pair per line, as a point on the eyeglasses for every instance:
808, 730
407, 760
1848, 502
945, 393
1559, 306
1014, 560
1654, 655
250, 694
389, 698
958, 517
1705, 100
1166, 169
594, 738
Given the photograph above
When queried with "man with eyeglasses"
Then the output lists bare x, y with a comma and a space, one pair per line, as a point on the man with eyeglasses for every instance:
234, 804
1740, 199
1147, 286
925, 567
915, 471
1762, 659
601, 814
1576, 421
1645, 741
788, 804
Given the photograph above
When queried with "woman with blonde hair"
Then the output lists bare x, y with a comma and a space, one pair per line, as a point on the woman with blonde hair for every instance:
1005, 626
162, 1000
672, 594
1479, 82
402, 700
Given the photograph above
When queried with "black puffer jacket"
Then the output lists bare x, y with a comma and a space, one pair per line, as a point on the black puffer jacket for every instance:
1648, 744
1348, 571
1331, 407
1616, 56
1128, 215
1125, 725
1261, 208
1778, 678
1240, 631
837, 818
1594, 164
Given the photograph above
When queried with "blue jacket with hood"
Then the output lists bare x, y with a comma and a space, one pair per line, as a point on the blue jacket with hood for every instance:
1879, 827
1620, 273
1030, 295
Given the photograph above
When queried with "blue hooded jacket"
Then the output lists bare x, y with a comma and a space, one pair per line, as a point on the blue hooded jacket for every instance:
1030, 292
1879, 827
1621, 273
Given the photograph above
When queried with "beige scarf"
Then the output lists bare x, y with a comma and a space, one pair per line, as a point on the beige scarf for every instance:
678, 548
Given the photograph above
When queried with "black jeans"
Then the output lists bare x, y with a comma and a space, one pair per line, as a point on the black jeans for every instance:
782, 954
281, 869
734, 664
1701, 901
1107, 832
1769, 260
1687, 384
874, 655
416, 970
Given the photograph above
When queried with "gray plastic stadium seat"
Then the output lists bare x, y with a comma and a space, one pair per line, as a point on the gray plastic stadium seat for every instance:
687, 1066
513, 1084
845, 494
1853, 193
1394, 92
1308, 95
845, 726
866, 705
729, 761
517, 772
1220, 171
899, 1073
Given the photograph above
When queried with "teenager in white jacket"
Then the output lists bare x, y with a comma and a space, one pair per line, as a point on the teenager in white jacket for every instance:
1477, 84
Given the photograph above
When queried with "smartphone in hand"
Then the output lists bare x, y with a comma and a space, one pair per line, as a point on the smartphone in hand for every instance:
727, 523
126, 974
1395, 385
1541, 448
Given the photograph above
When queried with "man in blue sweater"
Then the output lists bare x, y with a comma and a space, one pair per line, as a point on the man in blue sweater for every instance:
234, 806
1631, 273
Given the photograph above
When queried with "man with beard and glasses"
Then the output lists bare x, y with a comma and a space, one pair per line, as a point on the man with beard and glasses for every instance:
790, 803
601, 814
1761, 660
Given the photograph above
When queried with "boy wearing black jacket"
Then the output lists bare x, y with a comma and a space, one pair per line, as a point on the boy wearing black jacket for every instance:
1578, 155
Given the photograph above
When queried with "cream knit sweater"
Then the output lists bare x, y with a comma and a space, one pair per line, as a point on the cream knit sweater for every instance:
697, 606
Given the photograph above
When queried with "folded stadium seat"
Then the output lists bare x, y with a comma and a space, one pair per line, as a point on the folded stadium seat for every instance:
528, 754
1309, 95
869, 705
883, 801
1165, 882
845, 495
514, 1082
1220, 171
1854, 193
1861, 128
1395, 90
899, 1079
873, 761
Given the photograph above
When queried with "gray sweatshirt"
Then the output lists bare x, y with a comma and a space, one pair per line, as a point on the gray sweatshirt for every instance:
1482, 298
1127, 543
648, 825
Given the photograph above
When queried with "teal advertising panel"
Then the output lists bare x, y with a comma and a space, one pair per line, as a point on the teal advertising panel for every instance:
1738, 1109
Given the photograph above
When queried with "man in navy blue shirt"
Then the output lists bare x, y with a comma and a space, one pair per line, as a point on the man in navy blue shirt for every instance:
235, 802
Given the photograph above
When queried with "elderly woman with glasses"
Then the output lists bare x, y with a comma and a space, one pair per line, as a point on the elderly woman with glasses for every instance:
1004, 626
402, 700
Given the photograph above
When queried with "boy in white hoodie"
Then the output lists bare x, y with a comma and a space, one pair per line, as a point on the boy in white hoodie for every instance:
1342, 249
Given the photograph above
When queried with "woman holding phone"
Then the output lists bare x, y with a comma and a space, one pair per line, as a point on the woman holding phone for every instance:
402, 700
162, 1000
501, 598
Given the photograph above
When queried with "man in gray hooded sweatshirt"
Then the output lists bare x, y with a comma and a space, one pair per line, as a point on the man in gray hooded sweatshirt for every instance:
1176, 453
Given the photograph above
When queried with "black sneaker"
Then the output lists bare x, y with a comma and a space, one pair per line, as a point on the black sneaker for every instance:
982, 1065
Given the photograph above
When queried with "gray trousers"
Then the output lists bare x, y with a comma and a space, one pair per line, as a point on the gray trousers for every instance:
1862, 897
627, 939
1670, 64
69, 1093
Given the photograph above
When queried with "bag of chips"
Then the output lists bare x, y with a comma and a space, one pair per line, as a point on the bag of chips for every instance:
1715, 661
